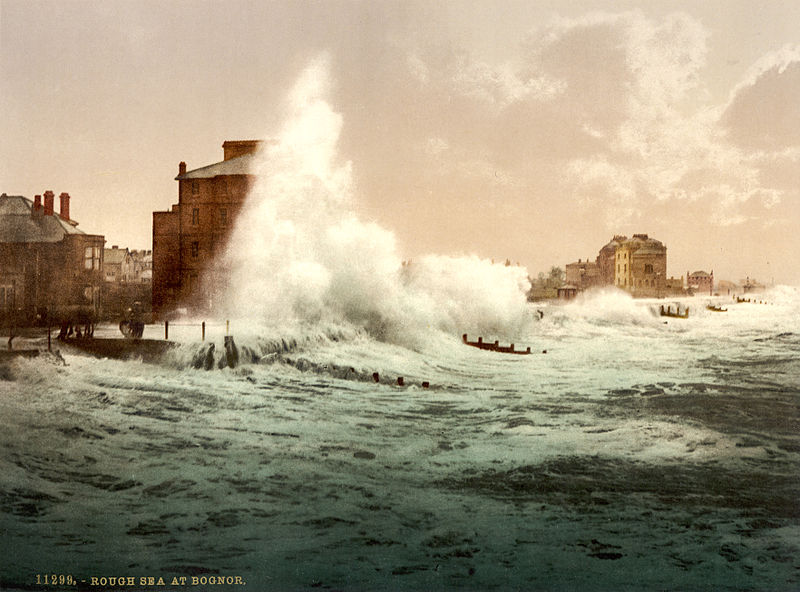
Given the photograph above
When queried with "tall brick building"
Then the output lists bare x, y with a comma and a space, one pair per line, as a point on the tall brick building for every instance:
188, 237
637, 265
641, 266
48, 268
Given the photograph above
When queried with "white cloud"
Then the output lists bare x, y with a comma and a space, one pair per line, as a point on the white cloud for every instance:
763, 112
611, 111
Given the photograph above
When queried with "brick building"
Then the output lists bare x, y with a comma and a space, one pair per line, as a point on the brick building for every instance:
606, 260
700, 282
641, 266
117, 265
583, 275
187, 238
48, 268
128, 280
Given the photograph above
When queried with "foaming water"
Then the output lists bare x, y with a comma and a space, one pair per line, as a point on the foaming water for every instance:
302, 256
627, 452
632, 455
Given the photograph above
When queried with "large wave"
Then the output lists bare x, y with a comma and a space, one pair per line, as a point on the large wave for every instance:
300, 255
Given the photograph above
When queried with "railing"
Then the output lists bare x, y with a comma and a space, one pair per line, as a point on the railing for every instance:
202, 326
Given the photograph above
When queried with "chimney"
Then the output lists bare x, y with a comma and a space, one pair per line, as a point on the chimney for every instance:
49, 196
236, 148
182, 168
37, 206
64, 206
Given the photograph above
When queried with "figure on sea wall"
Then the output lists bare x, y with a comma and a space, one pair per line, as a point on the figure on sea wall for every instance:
132, 326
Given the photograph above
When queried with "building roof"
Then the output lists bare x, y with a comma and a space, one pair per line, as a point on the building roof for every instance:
17, 225
241, 165
612, 245
114, 256
700, 274
644, 245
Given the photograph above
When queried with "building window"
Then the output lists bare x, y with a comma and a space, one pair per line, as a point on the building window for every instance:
91, 258
6, 297
196, 216
223, 217
195, 249
195, 188
648, 268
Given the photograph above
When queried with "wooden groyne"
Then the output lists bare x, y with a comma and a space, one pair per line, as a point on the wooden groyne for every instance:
495, 347
674, 315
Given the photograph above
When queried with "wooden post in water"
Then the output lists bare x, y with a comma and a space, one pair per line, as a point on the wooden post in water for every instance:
166, 330
203, 325
227, 326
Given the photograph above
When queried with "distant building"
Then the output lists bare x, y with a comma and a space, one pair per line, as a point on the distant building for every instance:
48, 268
187, 238
751, 285
641, 266
128, 280
637, 265
606, 260
583, 275
117, 265
142, 266
567, 292
700, 282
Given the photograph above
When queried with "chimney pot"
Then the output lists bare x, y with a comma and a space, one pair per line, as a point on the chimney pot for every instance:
37, 206
64, 207
49, 198
182, 168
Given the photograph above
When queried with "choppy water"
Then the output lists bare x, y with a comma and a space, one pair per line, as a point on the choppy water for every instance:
633, 455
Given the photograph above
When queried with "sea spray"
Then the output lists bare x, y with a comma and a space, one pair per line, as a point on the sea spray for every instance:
299, 254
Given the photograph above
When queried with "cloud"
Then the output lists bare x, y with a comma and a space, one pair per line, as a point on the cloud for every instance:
764, 112
601, 123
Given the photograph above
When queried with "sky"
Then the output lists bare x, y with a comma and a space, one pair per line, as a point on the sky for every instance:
526, 130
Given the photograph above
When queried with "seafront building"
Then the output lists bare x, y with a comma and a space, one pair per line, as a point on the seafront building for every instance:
583, 275
188, 236
641, 266
700, 282
637, 265
49, 269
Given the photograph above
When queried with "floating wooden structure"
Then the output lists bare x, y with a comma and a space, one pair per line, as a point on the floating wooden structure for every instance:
675, 315
496, 347
716, 308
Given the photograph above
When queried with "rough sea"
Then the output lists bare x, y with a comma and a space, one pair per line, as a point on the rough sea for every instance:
637, 453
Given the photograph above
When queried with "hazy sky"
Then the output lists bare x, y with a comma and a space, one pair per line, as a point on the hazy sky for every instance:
529, 130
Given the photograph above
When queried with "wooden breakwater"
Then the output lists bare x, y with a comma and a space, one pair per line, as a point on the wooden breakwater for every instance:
495, 346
